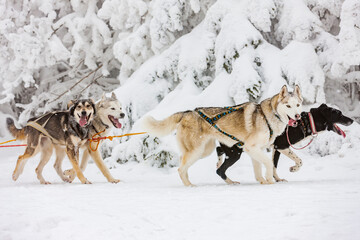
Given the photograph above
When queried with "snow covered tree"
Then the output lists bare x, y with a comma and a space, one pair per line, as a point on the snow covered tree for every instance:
164, 56
244, 51
50, 49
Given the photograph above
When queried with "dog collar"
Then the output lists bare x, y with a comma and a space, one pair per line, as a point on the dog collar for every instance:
314, 133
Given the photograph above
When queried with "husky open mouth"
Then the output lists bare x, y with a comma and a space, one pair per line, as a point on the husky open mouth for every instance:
115, 121
338, 130
84, 119
292, 122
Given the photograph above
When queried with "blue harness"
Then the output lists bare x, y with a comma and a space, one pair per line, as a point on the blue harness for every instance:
212, 121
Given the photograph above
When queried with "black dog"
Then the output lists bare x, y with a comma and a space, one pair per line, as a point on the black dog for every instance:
325, 118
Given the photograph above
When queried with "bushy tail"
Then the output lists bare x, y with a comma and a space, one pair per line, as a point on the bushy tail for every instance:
162, 127
19, 134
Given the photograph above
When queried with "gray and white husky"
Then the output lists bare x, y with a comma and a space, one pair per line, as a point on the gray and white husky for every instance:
108, 113
253, 126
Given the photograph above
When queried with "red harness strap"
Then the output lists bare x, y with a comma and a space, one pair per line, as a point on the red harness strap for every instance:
314, 133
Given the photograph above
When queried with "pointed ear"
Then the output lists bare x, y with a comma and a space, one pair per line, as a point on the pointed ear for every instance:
297, 91
92, 101
283, 92
70, 103
113, 96
322, 106
103, 97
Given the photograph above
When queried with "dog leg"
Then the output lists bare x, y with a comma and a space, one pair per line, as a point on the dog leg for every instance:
257, 171
46, 152
275, 157
220, 160
100, 164
20, 164
257, 154
74, 159
229, 161
60, 154
187, 160
71, 172
290, 154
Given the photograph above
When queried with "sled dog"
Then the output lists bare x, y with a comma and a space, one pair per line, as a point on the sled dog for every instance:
108, 113
325, 118
251, 126
55, 130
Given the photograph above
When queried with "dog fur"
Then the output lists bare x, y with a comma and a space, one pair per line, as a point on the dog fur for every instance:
196, 137
109, 111
64, 128
324, 117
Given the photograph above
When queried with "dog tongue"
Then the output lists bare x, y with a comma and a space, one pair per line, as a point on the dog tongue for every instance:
292, 122
116, 122
339, 130
83, 121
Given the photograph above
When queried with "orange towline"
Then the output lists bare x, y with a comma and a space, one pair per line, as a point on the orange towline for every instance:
12, 140
97, 140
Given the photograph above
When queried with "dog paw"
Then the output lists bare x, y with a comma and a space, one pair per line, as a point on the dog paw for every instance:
267, 181
270, 181
114, 180
68, 180
190, 185
69, 172
86, 181
45, 182
261, 180
294, 168
231, 182
15, 176
281, 180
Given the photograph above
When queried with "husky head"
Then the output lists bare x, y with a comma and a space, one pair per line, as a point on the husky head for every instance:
82, 111
110, 111
289, 105
333, 116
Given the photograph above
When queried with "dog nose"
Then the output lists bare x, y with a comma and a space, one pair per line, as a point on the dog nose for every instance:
122, 115
297, 116
83, 113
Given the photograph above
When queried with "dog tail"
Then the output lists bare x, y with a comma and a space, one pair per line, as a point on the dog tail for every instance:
162, 127
19, 134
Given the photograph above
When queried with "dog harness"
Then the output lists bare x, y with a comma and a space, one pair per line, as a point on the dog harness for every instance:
213, 120
41, 128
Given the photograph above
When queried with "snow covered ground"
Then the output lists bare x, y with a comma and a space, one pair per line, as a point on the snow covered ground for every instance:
321, 201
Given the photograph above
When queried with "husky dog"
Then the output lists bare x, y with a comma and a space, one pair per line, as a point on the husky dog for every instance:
108, 113
325, 118
55, 130
251, 126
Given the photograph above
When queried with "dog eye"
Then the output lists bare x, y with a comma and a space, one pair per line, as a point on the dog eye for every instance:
78, 107
298, 105
112, 108
88, 106
288, 106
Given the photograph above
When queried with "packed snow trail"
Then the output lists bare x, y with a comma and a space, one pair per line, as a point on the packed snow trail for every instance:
321, 201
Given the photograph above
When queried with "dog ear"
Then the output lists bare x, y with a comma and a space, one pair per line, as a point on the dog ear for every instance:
323, 106
283, 92
103, 97
93, 106
297, 91
113, 96
70, 103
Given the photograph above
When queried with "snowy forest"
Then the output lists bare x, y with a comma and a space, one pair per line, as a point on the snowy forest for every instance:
164, 56
159, 57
